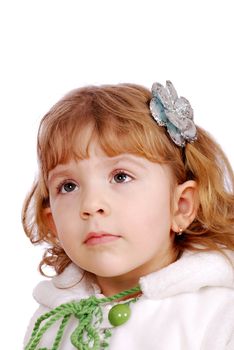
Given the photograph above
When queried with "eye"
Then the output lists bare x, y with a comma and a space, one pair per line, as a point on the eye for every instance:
67, 187
121, 177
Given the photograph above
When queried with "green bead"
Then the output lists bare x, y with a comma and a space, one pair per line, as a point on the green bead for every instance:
119, 314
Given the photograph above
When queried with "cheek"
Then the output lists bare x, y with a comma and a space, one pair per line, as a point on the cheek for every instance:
63, 210
153, 207
64, 222
151, 217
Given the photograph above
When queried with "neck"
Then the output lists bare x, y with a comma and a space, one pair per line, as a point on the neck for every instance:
116, 284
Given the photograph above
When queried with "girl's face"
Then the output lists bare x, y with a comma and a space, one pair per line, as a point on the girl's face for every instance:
112, 215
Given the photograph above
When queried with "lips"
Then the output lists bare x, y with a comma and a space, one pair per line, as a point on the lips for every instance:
94, 238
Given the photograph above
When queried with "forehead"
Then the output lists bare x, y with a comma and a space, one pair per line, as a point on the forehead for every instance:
73, 136
100, 159
78, 143
99, 162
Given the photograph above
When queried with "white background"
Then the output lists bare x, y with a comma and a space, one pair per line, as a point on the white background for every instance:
49, 47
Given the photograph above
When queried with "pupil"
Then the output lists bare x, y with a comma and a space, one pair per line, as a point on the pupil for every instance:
69, 187
120, 177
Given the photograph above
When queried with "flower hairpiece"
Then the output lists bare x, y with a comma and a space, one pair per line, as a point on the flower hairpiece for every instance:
173, 112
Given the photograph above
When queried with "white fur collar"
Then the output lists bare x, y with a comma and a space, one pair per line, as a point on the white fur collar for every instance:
188, 274
193, 271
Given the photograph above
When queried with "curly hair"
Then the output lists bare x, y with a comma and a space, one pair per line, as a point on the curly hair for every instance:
121, 120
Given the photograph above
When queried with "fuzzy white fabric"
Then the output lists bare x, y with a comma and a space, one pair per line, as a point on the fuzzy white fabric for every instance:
188, 305
188, 274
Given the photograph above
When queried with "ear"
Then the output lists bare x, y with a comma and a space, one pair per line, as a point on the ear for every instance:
49, 221
185, 205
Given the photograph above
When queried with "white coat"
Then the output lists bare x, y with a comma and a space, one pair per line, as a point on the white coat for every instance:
188, 305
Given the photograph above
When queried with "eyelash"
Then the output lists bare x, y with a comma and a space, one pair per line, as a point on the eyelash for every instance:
65, 182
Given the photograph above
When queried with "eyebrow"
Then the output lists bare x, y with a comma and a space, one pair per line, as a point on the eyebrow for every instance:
58, 174
129, 158
111, 160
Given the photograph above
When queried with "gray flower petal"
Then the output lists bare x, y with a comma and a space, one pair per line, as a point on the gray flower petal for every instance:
163, 95
172, 91
155, 88
177, 138
176, 119
157, 112
190, 132
183, 107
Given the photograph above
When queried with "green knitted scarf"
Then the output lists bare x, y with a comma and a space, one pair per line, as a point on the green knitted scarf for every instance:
88, 311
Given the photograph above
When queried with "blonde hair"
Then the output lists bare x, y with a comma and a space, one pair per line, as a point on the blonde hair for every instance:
120, 118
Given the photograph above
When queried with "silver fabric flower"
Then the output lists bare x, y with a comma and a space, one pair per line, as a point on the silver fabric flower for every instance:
173, 112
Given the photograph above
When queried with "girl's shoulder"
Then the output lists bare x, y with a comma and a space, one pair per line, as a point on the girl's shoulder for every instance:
72, 284
192, 272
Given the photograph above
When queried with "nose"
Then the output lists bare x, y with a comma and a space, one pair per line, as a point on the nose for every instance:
94, 203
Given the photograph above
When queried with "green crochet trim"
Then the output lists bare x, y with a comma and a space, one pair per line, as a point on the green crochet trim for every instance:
88, 312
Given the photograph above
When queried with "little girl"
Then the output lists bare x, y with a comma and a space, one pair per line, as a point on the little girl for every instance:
136, 204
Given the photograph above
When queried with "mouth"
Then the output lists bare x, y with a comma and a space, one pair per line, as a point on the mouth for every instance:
94, 238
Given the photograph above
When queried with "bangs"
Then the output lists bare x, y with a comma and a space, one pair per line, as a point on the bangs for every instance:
109, 117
